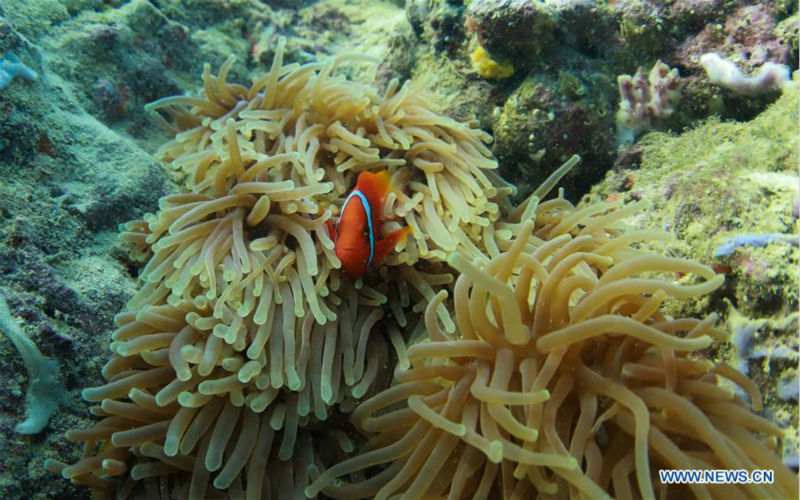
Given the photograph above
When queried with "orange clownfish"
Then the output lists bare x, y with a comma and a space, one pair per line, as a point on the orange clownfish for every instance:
358, 242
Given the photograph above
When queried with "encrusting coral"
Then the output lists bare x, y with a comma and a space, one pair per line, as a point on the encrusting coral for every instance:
644, 101
246, 345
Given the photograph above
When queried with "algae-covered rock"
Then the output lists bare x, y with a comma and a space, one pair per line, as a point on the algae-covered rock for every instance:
66, 181
567, 54
728, 192
513, 28
548, 118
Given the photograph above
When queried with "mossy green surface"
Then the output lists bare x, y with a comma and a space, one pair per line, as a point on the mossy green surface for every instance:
720, 180
548, 118
708, 185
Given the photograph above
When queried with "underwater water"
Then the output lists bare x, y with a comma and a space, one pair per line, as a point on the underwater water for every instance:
408, 249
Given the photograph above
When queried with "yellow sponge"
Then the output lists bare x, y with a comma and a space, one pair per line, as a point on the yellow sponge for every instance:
487, 67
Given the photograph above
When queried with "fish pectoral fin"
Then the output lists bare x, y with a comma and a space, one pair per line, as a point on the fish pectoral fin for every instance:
329, 226
388, 242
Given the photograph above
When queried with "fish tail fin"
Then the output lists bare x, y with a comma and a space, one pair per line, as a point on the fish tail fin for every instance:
387, 244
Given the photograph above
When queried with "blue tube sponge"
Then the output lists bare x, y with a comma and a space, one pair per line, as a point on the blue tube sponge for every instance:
11, 67
753, 240
45, 391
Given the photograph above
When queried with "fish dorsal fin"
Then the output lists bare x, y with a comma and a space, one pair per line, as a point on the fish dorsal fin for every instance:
374, 186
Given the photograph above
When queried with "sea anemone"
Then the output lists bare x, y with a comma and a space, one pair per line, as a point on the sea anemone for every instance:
245, 334
562, 380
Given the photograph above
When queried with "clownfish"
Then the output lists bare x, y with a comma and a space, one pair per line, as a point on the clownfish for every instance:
358, 241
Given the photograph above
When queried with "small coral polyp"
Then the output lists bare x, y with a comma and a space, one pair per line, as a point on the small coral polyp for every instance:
562, 380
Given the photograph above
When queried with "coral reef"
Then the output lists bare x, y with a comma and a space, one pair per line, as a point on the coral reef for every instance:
245, 337
570, 47
75, 161
66, 181
559, 101
748, 35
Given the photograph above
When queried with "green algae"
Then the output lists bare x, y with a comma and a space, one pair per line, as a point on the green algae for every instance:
708, 185
724, 179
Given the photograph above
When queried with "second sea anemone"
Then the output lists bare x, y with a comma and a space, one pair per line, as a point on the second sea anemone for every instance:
563, 380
